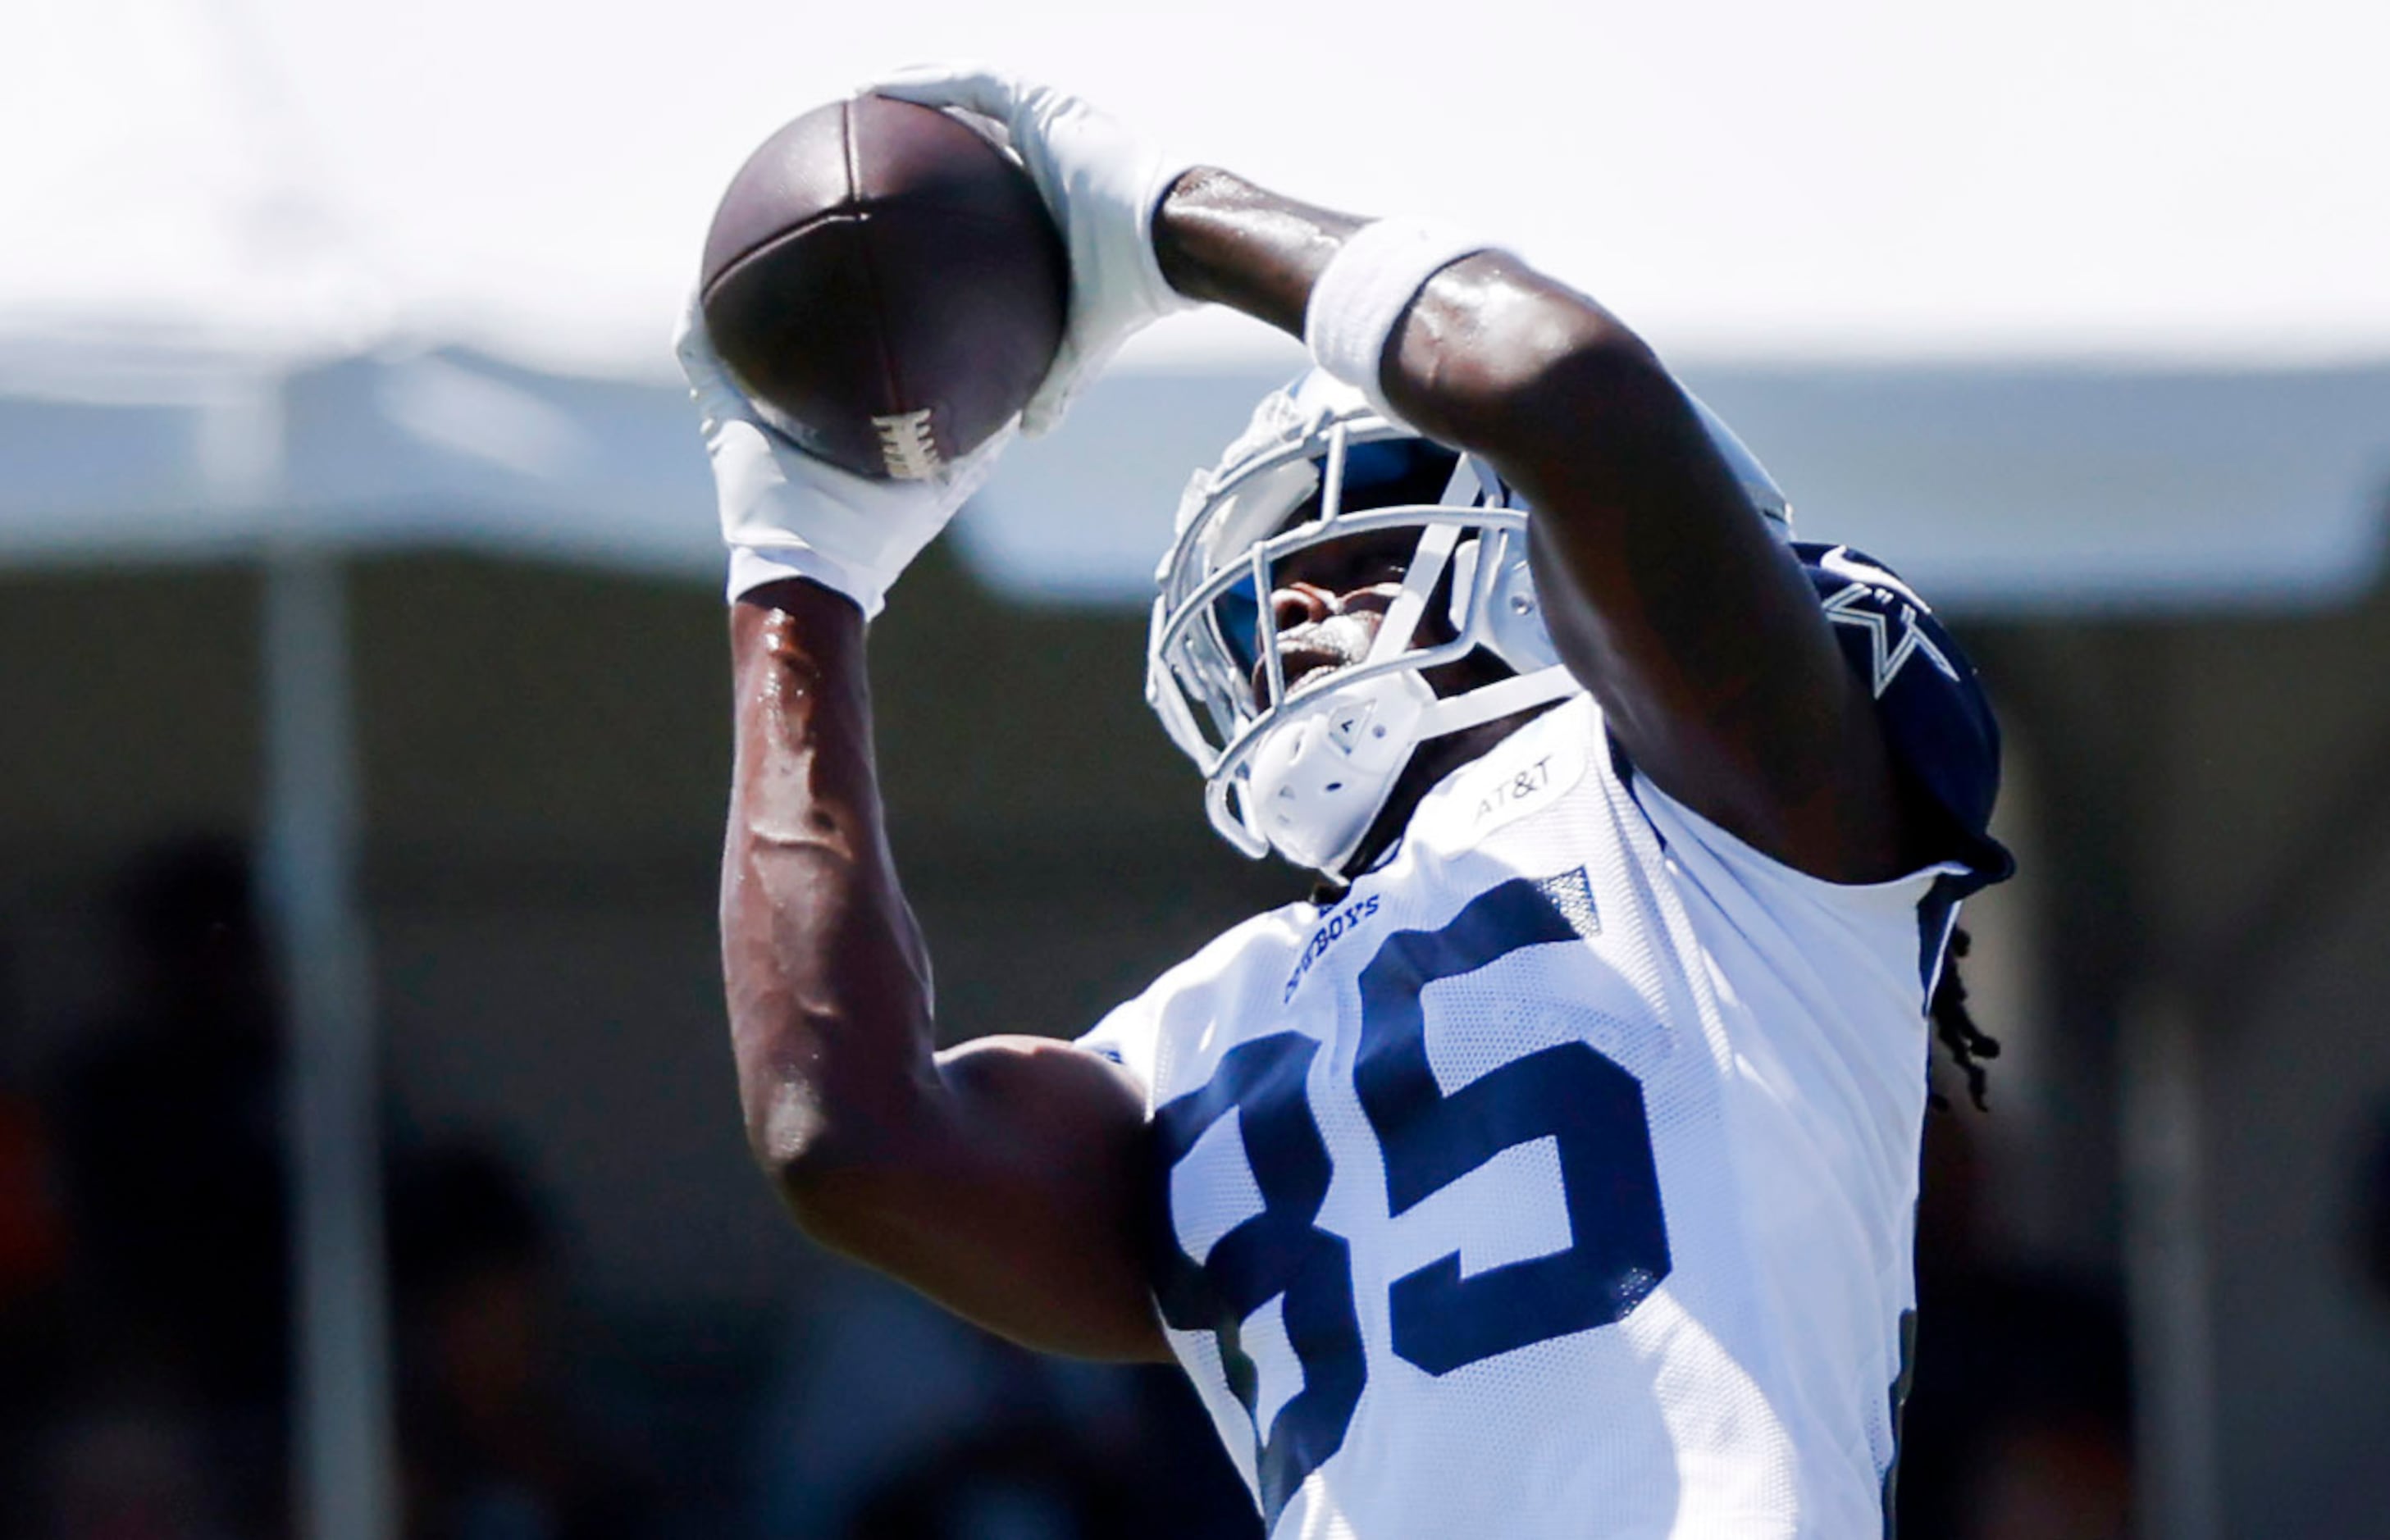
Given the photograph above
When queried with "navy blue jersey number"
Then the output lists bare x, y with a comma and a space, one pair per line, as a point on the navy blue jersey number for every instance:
1570, 1093
1279, 1253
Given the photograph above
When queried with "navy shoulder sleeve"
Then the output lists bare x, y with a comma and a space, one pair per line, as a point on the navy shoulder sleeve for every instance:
1935, 715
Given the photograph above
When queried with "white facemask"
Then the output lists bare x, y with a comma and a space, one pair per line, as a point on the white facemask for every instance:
1306, 770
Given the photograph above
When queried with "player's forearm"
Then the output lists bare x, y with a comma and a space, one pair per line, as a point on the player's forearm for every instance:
1223, 240
1559, 395
1004, 1182
827, 982
1477, 363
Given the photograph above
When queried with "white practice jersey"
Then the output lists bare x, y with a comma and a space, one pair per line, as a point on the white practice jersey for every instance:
1560, 1180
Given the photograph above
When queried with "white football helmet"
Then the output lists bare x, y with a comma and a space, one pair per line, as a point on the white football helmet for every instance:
1305, 770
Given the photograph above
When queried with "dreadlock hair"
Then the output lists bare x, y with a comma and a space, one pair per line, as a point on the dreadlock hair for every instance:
1955, 1026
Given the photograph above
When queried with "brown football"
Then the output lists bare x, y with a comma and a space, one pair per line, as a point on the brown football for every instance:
884, 280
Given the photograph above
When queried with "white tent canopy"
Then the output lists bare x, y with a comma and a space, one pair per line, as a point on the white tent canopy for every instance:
1994, 489
197, 456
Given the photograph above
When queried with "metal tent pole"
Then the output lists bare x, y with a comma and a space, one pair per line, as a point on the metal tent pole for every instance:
2165, 1274
342, 1479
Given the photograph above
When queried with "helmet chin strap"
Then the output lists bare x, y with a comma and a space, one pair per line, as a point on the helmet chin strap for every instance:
1490, 703
1487, 702
1322, 780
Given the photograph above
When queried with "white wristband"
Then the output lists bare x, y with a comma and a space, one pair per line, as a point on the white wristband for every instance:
1366, 286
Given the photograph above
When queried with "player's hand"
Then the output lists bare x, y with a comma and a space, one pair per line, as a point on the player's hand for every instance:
1102, 182
786, 513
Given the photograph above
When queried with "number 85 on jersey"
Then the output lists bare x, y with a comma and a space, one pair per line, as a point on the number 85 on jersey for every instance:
1588, 1107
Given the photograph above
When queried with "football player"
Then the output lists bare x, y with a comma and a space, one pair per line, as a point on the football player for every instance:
1552, 1170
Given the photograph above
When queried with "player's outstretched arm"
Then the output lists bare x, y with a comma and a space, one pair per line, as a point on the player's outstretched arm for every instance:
1665, 595
1000, 1178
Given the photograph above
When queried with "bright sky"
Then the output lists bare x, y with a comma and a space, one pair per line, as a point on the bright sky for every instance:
1739, 177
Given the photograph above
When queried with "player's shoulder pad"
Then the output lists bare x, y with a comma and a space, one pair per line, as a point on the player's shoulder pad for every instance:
1933, 708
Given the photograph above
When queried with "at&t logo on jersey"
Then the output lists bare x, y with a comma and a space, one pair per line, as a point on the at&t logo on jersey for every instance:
1331, 932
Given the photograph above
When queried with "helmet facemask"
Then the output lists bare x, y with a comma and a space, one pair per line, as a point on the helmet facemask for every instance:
1306, 764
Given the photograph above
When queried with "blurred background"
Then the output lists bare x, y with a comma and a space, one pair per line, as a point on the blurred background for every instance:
370, 1162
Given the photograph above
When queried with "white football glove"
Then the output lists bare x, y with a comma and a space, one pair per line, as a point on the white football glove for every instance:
1102, 184
786, 513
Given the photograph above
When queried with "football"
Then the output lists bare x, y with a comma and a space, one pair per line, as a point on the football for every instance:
886, 284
